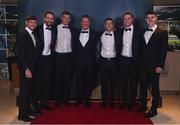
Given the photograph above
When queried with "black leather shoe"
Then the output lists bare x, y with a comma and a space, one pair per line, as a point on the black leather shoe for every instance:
67, 103
77, 103
24, 118
87, 104
112, 105
47, 108
130, 107
141, 109
122, 106
57, 103
151, 113
103, 105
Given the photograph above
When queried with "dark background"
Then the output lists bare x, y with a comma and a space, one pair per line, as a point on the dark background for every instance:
98, 10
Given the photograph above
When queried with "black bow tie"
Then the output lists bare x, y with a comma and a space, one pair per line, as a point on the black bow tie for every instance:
127, 29
48, 28
84, 32
149, 29
32, 32
66, 27
108, 34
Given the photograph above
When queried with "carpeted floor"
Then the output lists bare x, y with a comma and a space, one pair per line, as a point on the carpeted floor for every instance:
93, 115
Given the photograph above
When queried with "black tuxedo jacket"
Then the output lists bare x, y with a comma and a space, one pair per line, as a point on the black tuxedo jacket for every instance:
99, 44
136, 43
86, 54
39, 31
27, 52
154, 53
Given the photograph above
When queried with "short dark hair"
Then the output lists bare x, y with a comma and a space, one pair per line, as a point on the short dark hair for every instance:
31, 17
108, 19
151, 12
85, 16
49, 12
66, 13
128, 13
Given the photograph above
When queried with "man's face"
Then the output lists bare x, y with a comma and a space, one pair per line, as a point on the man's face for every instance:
85, 23
151, 19
109, 25
65, 19
128, 20
49, 19
31, 24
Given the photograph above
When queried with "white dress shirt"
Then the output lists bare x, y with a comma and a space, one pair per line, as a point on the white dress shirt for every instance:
32, 35
47, 41
127, 42
84, 37
63, 43
108, 45
148, 34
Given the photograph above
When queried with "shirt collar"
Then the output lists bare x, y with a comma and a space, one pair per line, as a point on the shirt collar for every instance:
153, 27
109, 32
132, 26
29, 30
85, 30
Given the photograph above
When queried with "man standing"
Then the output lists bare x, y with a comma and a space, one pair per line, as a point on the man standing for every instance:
46, 42
108, 62
85, 61
153, 58
63, 59
131, 37
27, 64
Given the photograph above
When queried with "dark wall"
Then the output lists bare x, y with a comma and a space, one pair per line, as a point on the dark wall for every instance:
97, 9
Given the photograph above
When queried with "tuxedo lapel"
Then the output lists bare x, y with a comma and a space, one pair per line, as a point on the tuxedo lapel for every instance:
153, 36
29, 38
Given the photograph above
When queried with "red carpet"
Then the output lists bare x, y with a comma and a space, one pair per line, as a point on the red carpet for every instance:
96, 115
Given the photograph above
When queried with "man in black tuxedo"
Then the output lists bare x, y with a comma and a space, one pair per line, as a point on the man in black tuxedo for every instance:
107, 51
64, 59
154, 49
46, 42
85, 61
27, 65
131, 37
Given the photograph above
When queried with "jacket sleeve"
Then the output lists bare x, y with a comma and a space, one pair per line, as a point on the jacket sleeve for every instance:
163, 49
22, 51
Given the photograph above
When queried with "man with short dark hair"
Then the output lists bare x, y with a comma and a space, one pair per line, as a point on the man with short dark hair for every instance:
46, 42
27, 65
154, 50
130, 42
63, 59
107, 53
85, 61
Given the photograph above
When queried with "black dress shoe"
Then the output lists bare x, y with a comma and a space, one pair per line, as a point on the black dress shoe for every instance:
141, 109
103, 105
77, 103
122, 106
24, 118
151, 113
57, 103
130, 107
67, 103
47, 108
112, 105
87, 104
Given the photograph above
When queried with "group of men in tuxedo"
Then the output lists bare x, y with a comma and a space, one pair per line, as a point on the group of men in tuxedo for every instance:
49, 54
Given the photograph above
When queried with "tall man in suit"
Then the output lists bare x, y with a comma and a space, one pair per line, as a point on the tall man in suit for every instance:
85, 61
46, 42
131, 37
27, 64
108, 48
154, 49
64, 59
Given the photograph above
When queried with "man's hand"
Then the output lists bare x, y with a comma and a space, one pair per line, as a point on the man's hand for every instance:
28, 74
158, 70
